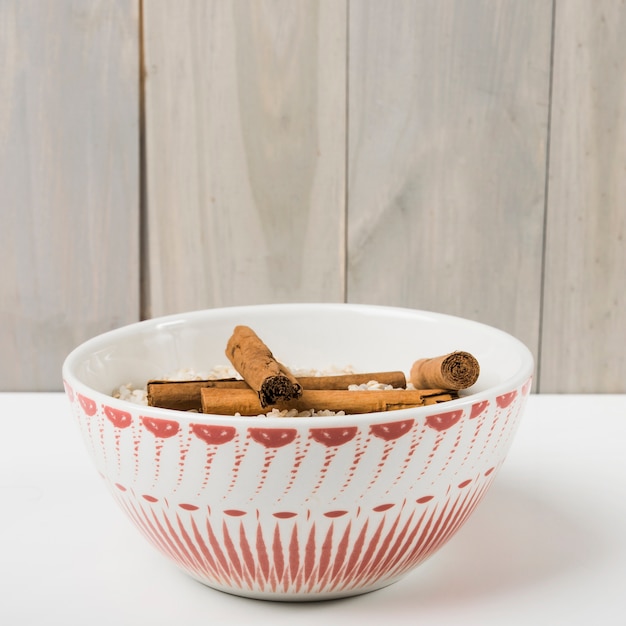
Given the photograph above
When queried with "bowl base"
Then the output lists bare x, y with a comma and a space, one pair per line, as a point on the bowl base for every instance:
290, 596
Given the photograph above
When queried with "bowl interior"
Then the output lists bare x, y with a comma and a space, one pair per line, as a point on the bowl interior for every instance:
317, 336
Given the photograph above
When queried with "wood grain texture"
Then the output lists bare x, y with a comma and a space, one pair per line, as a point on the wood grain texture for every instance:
383, 151
69, 181
584, 328
448, 112
245, 149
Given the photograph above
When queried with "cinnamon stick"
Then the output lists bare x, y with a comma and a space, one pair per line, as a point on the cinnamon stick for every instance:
272, 381
457, 370
246, 402
396, 379
184, 395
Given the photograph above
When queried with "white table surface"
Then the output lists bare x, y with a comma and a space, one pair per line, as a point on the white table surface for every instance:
546, 546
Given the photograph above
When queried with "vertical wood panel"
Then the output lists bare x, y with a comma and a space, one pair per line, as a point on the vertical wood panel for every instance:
584, 331
448, 111
245, 145
69, 180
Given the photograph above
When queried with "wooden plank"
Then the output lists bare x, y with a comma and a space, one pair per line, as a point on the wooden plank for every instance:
584, 328
69, 181
448, 111
245, 148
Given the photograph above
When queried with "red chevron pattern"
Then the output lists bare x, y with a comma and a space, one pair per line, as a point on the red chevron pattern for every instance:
297, 554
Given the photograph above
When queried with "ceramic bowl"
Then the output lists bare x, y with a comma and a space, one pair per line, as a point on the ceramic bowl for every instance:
298, 508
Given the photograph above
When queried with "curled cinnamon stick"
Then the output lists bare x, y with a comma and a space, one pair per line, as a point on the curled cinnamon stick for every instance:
184, 395
246, 402
272, 381
457, 370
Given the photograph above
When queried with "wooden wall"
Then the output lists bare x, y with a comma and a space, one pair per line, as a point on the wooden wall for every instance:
69, 180
465, 156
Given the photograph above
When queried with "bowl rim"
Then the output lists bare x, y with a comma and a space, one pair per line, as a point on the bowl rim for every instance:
522, 376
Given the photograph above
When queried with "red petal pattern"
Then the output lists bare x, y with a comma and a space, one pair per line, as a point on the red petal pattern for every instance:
341, 556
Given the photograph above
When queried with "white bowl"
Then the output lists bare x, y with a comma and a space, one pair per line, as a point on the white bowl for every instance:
298, 508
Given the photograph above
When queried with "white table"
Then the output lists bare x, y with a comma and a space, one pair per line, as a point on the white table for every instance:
546, 546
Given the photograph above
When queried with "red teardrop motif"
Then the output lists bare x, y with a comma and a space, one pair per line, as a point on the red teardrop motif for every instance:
213, 434
392, 430
331, 437
87, 404
119, 419
273, 437
160, 427
478, 408
505, 399
68, 390
443, 421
